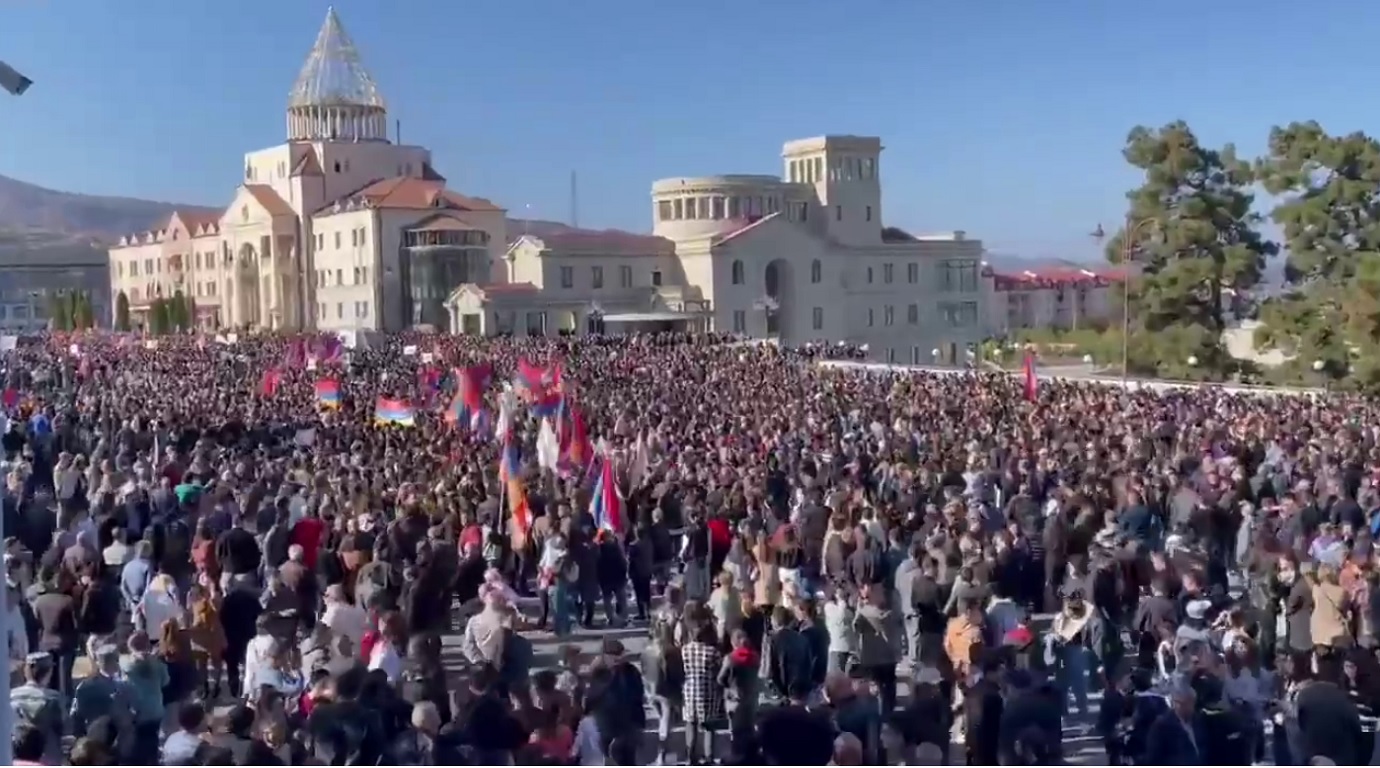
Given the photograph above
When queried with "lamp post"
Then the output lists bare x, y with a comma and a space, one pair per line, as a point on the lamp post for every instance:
1130, 233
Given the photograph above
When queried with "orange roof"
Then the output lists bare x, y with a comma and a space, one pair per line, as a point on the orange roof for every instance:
411, 193
612, 240
270, 200
196, 219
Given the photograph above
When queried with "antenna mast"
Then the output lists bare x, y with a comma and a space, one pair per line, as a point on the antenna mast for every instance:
574, 201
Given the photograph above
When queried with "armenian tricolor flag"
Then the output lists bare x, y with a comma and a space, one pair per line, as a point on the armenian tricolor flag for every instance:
468, 403
328, 393
607, 507
542, 387
576, 448
510, 474
390, 411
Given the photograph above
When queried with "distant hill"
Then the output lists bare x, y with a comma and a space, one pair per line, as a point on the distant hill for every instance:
33, 218
26, 207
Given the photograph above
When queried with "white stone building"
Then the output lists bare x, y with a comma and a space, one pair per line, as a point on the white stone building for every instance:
1050, 298
339, 228
336, 228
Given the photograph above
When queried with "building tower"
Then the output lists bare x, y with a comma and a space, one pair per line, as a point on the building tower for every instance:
844, 172
334, 98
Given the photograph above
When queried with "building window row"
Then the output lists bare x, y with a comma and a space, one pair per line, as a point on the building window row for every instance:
812, 169
958, 276
358, 276
716, 208
596, 277
322, 311
961, 314
889, 315
889, 273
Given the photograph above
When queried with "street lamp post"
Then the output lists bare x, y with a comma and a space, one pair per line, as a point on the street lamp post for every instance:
1131, 230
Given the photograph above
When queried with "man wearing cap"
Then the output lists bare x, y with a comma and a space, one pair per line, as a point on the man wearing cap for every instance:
38, 706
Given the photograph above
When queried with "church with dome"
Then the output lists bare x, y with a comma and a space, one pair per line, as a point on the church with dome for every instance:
340, 228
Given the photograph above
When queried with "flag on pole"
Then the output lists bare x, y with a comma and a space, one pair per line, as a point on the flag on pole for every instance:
606, 507
1032, 383
328, 393
510, 474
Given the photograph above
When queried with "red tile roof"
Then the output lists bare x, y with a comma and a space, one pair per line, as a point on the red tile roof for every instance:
412, 193
271, 201
614, 240
445, 222
1054, 277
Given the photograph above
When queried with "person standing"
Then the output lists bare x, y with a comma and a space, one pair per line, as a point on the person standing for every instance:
702, 694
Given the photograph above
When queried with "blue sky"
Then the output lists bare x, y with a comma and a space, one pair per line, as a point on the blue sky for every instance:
1004, 118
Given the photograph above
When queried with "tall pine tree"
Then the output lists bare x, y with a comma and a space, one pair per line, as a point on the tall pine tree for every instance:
1329, 191
1198, 252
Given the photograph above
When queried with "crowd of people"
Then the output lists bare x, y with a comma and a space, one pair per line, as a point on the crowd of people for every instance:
213, 559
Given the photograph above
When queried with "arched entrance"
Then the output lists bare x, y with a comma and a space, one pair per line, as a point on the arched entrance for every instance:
779, 292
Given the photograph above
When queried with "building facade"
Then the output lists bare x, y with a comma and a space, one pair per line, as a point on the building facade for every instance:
1050, 298
32, 276
336, 228
339, 228
801, 257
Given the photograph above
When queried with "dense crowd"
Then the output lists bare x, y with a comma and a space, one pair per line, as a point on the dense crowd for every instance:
228, 551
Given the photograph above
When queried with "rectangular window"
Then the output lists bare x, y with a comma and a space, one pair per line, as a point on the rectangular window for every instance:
678, 209
692, 208
596, 277
148, 266
211, 288
871, 317
656, 278
625, 277
716, 210
337, 241
887, 273
889, 315
869, 275
134, 269
913, 314
567, 277
339, 308
838, 213
663, 210
869, 213
912, 273
739, 321
340, 277
354, 238
818, 318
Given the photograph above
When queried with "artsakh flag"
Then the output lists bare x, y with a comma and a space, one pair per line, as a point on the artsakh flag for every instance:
510, 474
328, 393
468, 403
576, 448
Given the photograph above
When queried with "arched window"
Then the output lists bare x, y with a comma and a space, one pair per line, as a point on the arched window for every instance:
738, 272
816, 271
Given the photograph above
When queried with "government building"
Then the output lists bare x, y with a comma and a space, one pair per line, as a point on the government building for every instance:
340, 228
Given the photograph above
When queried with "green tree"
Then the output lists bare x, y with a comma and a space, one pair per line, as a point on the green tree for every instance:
122, 311
1329, 191
159, 321
83, 318
1197, 250
189, 307
59, 312
177, 312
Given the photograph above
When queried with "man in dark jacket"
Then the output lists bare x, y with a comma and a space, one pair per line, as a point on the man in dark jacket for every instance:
1029, 706
982, 709
56, 613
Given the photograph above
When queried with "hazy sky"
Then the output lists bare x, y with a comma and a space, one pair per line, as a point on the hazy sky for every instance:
1000, 117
